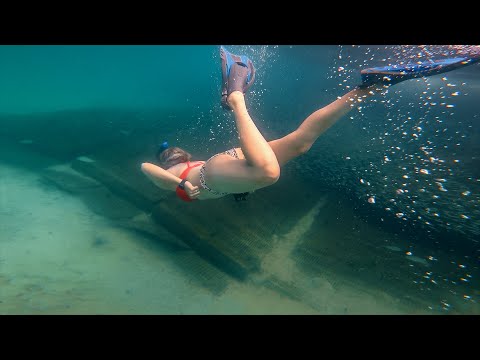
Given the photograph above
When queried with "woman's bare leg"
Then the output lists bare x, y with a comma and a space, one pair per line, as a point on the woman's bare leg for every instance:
260, 161
257, 166
256, 150
299, 141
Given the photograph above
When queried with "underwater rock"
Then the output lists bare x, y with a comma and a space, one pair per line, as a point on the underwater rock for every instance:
85, 159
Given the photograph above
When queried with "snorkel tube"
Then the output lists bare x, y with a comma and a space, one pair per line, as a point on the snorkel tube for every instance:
161, 148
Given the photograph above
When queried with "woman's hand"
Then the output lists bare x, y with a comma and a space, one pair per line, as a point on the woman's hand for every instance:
192, 191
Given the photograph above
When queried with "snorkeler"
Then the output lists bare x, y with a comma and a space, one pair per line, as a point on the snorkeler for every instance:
257, 162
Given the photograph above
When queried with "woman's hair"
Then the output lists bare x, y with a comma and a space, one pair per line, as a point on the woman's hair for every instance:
173, 156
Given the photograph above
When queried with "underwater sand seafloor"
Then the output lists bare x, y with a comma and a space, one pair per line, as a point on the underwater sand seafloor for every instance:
58, 257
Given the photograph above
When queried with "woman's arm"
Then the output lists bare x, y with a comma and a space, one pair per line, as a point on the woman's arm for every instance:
161, 177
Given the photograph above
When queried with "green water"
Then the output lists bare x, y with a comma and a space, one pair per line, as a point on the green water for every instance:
51, 78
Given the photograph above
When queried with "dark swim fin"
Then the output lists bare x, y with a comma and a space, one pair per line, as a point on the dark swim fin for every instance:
391, 75
238, 73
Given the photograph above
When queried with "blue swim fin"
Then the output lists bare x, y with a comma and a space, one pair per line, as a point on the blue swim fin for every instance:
238, 73
391, 75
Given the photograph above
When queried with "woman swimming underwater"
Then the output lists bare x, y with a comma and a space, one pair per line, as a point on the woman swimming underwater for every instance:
256, 163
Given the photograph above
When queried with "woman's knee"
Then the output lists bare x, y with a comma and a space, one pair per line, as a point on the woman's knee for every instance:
304, 148
270, 174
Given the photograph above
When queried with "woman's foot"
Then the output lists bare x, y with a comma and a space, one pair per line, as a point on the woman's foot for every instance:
238, 74
235, 99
